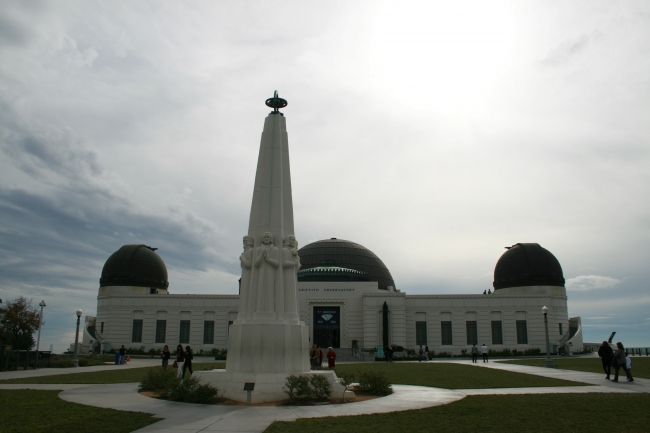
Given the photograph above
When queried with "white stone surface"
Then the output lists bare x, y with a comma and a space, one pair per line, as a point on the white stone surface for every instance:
267, 342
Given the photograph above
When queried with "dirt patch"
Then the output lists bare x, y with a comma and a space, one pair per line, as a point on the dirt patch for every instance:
228, 402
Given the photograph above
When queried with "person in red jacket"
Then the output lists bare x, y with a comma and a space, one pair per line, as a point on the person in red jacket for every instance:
331, 358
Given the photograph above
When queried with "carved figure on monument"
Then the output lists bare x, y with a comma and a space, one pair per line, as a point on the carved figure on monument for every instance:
290, 266
246, 259
266, 260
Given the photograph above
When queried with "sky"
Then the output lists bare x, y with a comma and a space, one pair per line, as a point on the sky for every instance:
433, 133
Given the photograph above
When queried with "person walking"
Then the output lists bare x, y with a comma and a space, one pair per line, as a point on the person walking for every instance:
606, 354
628, 364
331, 358
389, 353
165, 355
421, 354
188, 360
620, 362
180, 360
122, 355
474, 353
484, 351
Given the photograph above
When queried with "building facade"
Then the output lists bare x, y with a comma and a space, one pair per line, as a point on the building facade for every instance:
342, 288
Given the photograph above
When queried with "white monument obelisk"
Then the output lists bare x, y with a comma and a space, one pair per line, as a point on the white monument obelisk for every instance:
267, 342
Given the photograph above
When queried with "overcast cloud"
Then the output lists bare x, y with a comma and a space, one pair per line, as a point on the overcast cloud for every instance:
433, 133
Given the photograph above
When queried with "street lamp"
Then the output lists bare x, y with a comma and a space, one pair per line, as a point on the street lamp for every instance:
40, 323
548, 362
75, 361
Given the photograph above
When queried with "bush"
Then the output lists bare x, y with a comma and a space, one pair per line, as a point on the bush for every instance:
533, 352
431, 354
158, 380
298, 389
302, 389
374, 383
169, 386
320, 387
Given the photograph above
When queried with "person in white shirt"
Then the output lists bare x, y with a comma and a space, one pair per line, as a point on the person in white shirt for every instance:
628, 363
484, 351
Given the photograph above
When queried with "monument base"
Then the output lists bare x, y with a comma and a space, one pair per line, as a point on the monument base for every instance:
268, 386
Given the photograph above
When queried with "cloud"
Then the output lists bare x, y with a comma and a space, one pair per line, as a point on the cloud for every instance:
585, 283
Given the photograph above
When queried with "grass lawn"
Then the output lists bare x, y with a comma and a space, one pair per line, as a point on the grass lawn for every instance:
640, 365
453, 376
498, 414
27, 410
108, 376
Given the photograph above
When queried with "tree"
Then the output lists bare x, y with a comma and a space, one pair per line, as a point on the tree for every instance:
18, 322
384, 324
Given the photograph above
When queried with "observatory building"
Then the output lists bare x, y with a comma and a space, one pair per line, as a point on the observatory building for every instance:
342, 287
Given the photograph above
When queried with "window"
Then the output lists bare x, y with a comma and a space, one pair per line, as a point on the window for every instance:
421, 333
102, 331
208, 332
184, 336
560, 328
445, 329
161, 331
472, 332
136, 335
522, 334
497, 332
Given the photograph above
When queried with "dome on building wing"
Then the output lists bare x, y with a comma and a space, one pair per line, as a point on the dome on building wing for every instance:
345, 255
135, 265
525, 265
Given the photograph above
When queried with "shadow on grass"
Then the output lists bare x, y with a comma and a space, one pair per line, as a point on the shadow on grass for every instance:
454, 376
27, 410
109, 376
497, 414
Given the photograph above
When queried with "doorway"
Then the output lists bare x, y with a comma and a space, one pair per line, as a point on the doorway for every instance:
327, 327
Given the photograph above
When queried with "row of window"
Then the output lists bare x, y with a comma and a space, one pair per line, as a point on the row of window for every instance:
471, 328
183, 334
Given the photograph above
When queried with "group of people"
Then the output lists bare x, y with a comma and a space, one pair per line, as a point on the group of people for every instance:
316, 356
484, 352
619, 359
183, 360
488, 292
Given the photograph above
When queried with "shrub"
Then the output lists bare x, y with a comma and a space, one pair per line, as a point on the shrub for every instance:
158, 380
320, 386
374, 383
168, 385
298, 389
535, 351
431, 354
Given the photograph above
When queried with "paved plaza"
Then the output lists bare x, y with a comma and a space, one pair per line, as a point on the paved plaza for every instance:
184, 417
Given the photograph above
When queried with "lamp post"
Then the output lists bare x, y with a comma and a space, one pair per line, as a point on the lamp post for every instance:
548, 362
75, 361
40, 323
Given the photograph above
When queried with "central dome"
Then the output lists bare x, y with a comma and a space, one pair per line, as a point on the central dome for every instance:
340, 253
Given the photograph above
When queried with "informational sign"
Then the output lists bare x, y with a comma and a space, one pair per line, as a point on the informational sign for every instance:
380, 351
327, 316
249, 386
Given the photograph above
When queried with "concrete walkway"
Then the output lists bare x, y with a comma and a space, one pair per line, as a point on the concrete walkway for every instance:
134, 363
184, 417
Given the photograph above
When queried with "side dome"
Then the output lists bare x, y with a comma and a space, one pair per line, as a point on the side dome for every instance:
135, 265
525, 265
339, 253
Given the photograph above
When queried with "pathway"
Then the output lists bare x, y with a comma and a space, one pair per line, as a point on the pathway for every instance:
188, 418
